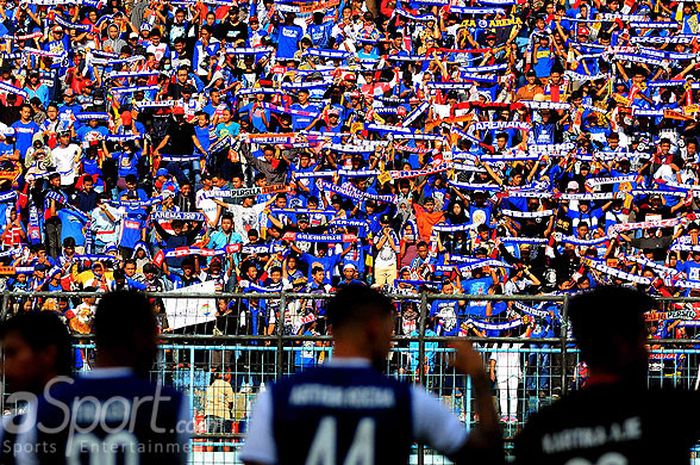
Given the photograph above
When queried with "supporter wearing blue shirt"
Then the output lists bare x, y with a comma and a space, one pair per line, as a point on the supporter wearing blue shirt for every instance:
319, 31
24, 129
288, 37
302, 121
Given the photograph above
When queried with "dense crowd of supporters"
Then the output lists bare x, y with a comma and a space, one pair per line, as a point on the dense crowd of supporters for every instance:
487, 147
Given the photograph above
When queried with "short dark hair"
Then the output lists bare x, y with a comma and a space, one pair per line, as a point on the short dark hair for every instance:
121, 316
622, 311
41, 331
356, 304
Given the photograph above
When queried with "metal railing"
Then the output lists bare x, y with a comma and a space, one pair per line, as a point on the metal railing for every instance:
528, 372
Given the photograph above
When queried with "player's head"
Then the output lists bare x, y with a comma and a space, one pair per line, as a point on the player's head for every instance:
608, 324
362, 323
37, 348
125, 331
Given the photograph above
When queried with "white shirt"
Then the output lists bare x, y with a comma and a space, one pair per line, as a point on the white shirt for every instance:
206, 206
64, 160
433, 423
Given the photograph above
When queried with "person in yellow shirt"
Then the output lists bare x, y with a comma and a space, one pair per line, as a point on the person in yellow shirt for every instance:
219, 402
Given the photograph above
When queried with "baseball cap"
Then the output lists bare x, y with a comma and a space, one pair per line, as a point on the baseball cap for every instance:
349, 266
304, 218
583, 31
162, 172
572, 185
133, 35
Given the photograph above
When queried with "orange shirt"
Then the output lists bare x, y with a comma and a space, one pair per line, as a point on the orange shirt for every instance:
425, 221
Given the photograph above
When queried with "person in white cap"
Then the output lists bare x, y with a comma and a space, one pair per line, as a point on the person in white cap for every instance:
349, 276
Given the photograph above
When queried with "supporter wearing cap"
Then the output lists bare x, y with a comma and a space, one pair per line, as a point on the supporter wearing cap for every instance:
531, 88
386, 246
349, 276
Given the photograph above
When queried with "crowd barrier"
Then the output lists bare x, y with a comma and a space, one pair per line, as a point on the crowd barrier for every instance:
529, 372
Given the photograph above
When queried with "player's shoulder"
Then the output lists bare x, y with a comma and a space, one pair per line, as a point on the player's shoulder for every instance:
129, 386
338, 375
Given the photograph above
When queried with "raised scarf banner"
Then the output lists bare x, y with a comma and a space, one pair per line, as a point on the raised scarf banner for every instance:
450, 85
87, 116
69, 25
154, 104
9, 196
476, 10
303, 237
116, 61
122, 137
265, 289
134, 89
685, 247
588, 196
485, 69
9, 88
179, 158
326, 53
668, 223
313, 174
44, 53
180, 252
416, 113
248, 50
131, 74
442, 227
95, 258
646, 263
475, 187
473, 264
407, 174
632, 58
348, 190
263, 249
341, 223
302, 211
536, 312
684, 40
614, 272
244, 192
137, 203
499, 126
654, 25
494, 326
58, 198
597, 182
177, 216
521, 214
583, 242
526, 240
406, 14
537, 105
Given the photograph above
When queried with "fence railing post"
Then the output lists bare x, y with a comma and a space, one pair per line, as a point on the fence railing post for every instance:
279, 365
421, 356
3, 317
564, 341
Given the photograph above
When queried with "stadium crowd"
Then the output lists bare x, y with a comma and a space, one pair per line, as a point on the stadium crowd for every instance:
487, 147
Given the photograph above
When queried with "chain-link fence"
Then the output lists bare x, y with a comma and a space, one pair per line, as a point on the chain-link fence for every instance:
236, 344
